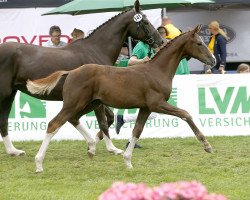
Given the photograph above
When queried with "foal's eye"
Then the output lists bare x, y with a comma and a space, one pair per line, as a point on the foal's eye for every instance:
199, 43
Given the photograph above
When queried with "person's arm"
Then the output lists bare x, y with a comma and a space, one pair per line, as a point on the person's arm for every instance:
139, 55
134, 60
223, 50
124, 51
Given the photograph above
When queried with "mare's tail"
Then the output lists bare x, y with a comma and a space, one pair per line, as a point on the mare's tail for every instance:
45, 85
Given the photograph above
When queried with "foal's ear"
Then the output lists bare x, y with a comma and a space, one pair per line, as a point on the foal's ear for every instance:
197, 29
137, 6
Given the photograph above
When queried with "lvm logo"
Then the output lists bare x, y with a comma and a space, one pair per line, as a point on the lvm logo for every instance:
229, 107
27, 114
232, 100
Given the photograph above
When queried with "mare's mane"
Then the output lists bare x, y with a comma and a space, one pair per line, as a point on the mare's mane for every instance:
96, 29
106, 23
168, 44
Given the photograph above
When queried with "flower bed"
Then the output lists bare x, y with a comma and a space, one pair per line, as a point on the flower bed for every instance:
168, 191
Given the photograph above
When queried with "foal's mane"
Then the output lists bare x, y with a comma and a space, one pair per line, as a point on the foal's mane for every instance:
107, 22
167, 45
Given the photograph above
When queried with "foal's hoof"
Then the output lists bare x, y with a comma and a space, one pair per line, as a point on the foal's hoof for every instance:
115, 151
90, 154
127, 160
17, 152
39, 170
208, 149
129, 167
39, 164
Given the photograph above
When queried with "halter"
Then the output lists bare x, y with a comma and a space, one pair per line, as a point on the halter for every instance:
149, 37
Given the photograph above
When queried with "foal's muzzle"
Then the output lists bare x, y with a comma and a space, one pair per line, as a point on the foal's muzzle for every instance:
212, 61
210, 64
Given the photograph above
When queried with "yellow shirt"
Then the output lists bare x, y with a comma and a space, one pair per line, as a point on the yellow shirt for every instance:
173, 31
211, 44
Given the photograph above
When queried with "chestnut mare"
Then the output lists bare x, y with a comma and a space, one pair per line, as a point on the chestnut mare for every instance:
20, 62
145, 86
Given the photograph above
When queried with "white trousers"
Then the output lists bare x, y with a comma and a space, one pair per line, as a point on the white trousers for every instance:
133, 117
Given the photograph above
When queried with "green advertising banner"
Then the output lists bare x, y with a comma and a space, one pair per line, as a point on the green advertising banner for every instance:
219, 105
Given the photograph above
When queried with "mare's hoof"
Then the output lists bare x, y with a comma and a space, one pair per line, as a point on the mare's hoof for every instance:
208, 150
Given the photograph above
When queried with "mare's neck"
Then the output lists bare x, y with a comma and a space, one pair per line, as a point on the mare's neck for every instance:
168, 59
108, 39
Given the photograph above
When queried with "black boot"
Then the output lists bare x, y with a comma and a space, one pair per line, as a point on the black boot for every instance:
118, 123
136, 145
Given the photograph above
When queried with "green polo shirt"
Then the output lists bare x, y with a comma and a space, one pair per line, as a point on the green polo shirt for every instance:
141, 50
183, 67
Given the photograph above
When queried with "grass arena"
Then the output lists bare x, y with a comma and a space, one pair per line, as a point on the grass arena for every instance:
71, 174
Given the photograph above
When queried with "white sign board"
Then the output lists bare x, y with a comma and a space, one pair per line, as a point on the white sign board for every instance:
219, 105
28, 26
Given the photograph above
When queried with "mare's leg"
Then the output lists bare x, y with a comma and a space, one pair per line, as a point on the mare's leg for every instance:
110, 120
140, 122
5, 107
166, 108
102, 121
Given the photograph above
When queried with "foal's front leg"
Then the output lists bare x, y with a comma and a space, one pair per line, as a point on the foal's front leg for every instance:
166, 108
140, 122
102, 121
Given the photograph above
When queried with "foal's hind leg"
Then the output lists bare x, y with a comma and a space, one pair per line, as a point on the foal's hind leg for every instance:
5, 107
90, 141
63, 116
140, 122
166, 108
102, 121
96, 105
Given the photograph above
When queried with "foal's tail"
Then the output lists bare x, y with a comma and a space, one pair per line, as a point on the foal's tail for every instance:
45, 85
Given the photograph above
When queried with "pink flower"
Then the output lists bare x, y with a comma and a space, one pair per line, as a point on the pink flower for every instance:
216, 197
168, 191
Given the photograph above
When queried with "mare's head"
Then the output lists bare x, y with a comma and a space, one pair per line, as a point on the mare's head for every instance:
141, 29
196, 48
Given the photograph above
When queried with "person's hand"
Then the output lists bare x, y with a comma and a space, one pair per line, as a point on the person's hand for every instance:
221, 69
157, 49
145, 59
209, 71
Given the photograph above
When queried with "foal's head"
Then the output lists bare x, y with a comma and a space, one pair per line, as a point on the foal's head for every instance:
140, 28
195, 47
